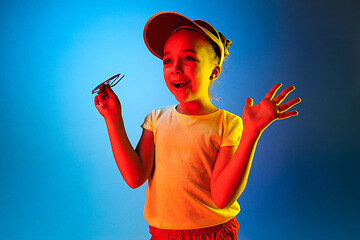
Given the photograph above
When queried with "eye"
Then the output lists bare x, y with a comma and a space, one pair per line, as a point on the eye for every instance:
166, 61
189, 58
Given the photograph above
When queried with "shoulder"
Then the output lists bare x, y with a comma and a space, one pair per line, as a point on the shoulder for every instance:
152, 119
229, 118
232, 129
160, 112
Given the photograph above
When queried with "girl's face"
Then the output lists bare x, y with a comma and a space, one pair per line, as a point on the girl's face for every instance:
189, 65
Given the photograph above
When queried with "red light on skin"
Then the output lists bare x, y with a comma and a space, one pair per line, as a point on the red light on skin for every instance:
188, 66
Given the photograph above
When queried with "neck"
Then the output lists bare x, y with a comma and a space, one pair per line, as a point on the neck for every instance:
196, 108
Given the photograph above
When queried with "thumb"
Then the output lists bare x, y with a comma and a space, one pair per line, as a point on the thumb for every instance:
97, 102
249, 102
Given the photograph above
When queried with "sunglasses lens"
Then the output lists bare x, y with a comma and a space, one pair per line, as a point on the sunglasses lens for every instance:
116, 80
111, 82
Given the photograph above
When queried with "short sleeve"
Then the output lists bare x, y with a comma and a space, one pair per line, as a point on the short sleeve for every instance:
232, 132
149, 121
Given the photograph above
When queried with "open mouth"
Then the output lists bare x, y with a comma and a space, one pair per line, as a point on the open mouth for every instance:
179, 85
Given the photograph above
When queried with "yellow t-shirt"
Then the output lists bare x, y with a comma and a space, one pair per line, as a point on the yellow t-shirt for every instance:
178, 191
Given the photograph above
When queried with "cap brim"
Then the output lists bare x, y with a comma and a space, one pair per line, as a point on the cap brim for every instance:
160, 26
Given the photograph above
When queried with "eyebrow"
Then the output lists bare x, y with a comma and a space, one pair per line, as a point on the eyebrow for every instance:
184, 50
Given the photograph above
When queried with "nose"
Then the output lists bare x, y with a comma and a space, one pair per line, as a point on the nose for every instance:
177, 68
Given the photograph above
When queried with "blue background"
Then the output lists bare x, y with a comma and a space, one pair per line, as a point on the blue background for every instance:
58, 179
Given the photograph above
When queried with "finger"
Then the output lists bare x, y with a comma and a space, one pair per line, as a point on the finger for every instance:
279, 98
249, 102
96, 99
103, 94
109, 91
102, 90
272, 91
288, 114
102, 87
289, 104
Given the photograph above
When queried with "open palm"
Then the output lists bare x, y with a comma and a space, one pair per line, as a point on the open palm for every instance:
260, 116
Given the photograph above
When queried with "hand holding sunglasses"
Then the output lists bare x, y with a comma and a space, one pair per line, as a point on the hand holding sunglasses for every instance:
111, 82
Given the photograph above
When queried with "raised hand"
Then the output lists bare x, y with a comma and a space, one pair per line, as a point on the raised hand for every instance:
258, 117
107, 103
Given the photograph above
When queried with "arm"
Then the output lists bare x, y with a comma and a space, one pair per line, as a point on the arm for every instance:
230, 177
233, 164
135, 165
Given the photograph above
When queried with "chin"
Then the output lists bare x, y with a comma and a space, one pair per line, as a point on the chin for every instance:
181, 99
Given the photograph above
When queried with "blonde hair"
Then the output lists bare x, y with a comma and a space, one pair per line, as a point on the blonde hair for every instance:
227, 43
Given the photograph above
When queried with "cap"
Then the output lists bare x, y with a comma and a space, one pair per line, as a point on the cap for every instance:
160, 26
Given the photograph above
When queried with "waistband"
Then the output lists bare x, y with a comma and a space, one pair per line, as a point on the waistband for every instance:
231, 224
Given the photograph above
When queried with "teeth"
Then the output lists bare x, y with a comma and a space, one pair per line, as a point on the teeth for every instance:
179, 82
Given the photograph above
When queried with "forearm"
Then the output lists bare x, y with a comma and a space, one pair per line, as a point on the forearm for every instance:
125, 156
232, 180
227, 184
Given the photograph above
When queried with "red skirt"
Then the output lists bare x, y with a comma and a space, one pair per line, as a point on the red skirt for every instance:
225, 231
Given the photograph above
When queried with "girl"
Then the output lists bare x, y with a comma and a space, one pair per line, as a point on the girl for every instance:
195, 156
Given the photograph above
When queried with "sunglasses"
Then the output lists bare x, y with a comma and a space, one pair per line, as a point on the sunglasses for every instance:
111, 82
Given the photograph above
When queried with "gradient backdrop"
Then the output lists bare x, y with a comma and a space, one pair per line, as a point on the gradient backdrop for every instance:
58, 179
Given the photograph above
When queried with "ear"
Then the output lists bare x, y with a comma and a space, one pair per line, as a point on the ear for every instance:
215, 73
